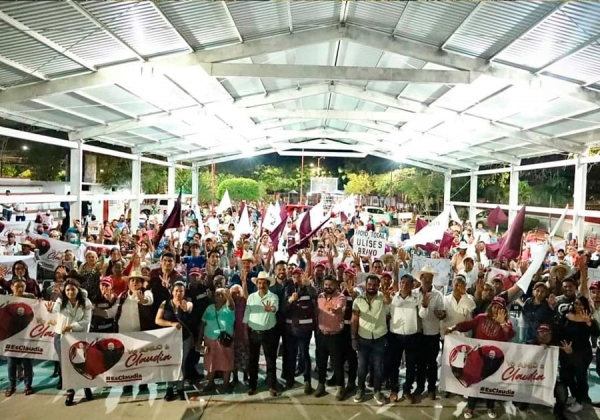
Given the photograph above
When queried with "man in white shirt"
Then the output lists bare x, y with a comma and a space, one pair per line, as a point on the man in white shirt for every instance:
431, 311
470, 272
12, 247
458, 305
20, 209
213, 223
403, 338
48, 219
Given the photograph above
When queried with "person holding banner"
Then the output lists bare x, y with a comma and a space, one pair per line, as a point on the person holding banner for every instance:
74, 315
20, 271
17, 286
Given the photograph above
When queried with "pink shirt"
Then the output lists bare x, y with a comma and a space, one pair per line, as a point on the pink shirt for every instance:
331, 313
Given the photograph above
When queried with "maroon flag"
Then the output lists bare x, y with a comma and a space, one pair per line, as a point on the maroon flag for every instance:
421, 223
305, 241
283, 211
491, 250
305, 225
510, 246
276, 234
343, 217
173, 221
496, 217
428, 247
446, 243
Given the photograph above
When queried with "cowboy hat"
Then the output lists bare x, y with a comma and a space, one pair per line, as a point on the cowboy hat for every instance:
263, 275
136, 275
463, 245
247, 256
557, 267
427, 270
28, 243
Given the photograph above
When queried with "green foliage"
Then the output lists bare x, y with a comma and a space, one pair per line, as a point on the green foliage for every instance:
493, 188
423, 188
46, 162
275, 179
154, 179
113, 172
360, 183
183, 180
239, 189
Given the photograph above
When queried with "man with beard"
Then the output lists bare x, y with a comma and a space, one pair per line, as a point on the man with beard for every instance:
318, 277
198, 294
369, 314
299, 309
330, 318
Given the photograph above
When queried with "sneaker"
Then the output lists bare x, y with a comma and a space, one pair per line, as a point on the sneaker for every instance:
360, 394
308, 389
575, 408
492, 413
226, 388
340, 393
379, 398
468, 414
320, 391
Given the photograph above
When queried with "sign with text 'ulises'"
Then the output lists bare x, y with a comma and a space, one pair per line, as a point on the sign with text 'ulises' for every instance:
369, 244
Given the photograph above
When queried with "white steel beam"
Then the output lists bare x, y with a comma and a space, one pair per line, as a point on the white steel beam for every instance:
293, 71
397, 116
229, 158
282, 96
106, 104
104, 29
323, 154
378, 98
23, 135
402, 160
52, 107
232, 21
168, 22
289, 13
25, 118
23, 69
47, 42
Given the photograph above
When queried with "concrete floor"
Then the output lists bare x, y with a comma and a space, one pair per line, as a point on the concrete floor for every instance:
292, 405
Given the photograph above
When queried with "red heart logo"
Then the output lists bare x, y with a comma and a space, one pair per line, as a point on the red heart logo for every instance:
43, 246
91, 360
15, 316
472, 365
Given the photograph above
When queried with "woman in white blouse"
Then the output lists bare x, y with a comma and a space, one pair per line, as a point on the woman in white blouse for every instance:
74, 313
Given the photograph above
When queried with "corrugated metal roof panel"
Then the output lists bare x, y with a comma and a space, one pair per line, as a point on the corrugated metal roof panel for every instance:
560, 107
239, 86
586, 15
432, 22
583, 66
260, 19
139, 25
84, 107
380, 16
35, 110
352, 54
203, 24
314, 14
424, 93
551, 39
27, 51
495, 25
581, 122
10, 77
461, 97
391, 88
116, 96
61, 23
163, 93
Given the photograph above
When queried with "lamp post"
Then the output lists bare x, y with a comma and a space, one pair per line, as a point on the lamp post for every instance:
319, 165
302, 178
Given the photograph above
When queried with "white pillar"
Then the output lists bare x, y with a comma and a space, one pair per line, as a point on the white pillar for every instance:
171, 185
579, 201
447, 188
473, 199
513, 197
136, 192
75, 179
195, 186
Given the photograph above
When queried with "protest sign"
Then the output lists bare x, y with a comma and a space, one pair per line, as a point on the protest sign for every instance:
97, 360
441, 265
499, 371
369, 244
51, 251
90, 246
93, 227
8, 261
26, 329
405, 216
19, 229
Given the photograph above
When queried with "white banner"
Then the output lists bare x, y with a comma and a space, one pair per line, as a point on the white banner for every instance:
441, 265
8, 261
26, 329
593, 274
18, 228
98, 248
499, 371
369, 243
51, 251
96, 360
405, 216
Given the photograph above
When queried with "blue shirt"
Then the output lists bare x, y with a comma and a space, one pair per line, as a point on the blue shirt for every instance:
194, 262
236, 279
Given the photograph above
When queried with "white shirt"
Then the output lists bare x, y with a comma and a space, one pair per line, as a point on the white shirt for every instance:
470, 276
13, 249
430, 324
404, 314
456, 312
213, 224
130, 315
20, 209
78, 318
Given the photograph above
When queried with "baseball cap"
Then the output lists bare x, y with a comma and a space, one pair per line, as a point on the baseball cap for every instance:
595, 285
350, 271
195, 271
297, 270
106, 281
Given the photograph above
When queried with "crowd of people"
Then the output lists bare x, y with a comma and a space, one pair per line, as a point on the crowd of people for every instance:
233, 295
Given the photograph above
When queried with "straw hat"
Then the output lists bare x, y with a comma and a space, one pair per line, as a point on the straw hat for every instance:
28, 243
136, 275
427, 270
263, 275
247, 256
558, 267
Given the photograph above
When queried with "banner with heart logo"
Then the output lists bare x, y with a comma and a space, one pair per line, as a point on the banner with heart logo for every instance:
51, 251
499, 371
26, 329
8, 261
98, 360
19, 229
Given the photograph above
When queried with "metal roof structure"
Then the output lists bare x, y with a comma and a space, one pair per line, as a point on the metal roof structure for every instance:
439, 85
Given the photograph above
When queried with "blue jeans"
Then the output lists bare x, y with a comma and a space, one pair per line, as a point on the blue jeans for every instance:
13, 362
370, 351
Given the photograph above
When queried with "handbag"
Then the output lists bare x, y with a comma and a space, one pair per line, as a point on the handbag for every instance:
225, 338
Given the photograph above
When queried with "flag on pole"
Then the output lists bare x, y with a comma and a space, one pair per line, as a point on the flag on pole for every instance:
421, 223
496, 217
509, 246
173, 221
305, 224
224, 204
305, 241
446, 243
276, 234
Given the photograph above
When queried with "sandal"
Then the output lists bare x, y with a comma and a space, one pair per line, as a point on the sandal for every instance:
28, 390
10, 391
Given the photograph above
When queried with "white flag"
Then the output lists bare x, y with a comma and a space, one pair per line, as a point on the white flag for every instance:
224, 204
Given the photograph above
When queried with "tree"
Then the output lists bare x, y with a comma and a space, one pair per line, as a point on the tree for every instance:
360, 184
494, 188
46, 162
422, 188
155, 178
275, 179
113, 172
239, 189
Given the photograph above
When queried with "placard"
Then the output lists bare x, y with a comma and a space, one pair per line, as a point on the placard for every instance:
7, 261
51, 251
19, 229
369, 243
441, 265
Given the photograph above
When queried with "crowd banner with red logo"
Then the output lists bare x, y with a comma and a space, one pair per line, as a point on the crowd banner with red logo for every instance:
499, 371
18, 228
97, 360
26, 329
8, 261
50, 251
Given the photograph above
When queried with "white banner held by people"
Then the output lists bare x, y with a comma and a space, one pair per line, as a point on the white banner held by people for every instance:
19, 229
369, 244
441, 265
7, 262
97, 360
51, 251
26, 329
499, 371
